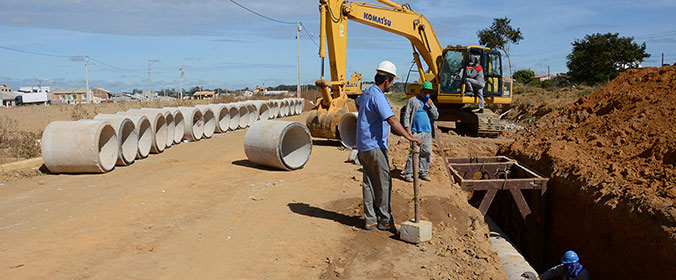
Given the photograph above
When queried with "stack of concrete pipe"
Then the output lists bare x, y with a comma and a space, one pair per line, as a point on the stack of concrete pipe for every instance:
96, 146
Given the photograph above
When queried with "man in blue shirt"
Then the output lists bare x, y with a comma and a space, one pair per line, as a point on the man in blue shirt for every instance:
373, 126
419, 116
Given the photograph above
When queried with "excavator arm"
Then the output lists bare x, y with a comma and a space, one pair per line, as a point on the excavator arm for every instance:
391, 17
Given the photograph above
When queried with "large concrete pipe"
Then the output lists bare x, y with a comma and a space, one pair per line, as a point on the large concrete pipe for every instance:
253, 112
222, 117
291, 105
194, 123
85, 146
144, 131
126, 137
158, 125
284, 107
263, 110
243, 114
347, 128
274, 108
210, 122
233, 112
280, 108
179, 124
278, 144
300, 103
513, 263
169, 120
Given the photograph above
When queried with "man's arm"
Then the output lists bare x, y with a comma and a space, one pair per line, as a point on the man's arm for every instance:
394, 123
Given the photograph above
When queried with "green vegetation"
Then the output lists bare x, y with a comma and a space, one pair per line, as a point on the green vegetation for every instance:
523, 76
500, 36
599, 58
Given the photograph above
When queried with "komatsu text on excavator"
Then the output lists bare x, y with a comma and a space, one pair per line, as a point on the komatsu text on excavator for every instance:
445, 67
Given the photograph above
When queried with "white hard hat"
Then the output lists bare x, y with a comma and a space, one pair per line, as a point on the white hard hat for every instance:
388, 67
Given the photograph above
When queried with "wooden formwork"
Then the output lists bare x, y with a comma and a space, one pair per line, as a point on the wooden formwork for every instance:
489, 175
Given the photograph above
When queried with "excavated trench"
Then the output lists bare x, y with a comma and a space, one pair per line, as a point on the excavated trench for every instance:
611, 196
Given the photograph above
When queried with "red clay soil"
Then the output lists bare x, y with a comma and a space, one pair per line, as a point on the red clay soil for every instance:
611, 157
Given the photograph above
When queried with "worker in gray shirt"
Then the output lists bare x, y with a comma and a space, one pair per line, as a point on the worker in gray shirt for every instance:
475, 81
419, 116
569, 269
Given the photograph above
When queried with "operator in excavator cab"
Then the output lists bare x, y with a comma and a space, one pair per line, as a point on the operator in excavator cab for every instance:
475, 81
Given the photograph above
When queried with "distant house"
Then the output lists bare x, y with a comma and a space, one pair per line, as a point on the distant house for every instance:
204, 94
8, 98
5, 88
101, 94
543, 77
70, 96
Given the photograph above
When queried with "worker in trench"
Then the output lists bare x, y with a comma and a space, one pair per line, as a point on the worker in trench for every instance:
570, 268
418, 119
373, 127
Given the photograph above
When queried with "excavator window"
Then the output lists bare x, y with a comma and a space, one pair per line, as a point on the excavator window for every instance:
451, 73
493, 74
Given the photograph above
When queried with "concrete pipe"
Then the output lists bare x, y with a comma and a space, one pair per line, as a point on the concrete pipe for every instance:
300, 105
127, 137
85, 146
144, 131
253, 112
158, 125
284, 107
278, 144
243, 114
194, 123
171, 126
263, 110
513, 263
179, 124
280, 108
347, 128
291, 105
274, 108
233, 112
222, 117
210, 121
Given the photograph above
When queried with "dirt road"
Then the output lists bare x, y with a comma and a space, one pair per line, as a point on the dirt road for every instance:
202, 211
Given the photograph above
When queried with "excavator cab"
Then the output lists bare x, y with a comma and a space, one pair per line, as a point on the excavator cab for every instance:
454, 62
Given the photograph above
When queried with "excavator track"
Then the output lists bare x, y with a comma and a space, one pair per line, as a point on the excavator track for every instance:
489, 124
486, 124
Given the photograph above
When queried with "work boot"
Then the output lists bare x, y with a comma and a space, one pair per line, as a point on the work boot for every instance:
408, 178
388, 227
425, 177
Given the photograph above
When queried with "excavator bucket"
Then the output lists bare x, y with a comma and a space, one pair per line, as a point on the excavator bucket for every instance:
323, 120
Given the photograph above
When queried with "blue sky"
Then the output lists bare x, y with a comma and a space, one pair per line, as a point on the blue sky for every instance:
222, 45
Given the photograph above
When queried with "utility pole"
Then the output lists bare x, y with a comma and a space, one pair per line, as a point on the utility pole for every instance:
180, 81
298, 57
150, 61
89, 97
662, 60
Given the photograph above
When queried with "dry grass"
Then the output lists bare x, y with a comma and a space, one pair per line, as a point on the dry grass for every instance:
17, 144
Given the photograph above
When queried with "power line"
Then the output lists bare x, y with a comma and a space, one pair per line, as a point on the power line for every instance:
119, 68
42, 54
258, 14
308, 34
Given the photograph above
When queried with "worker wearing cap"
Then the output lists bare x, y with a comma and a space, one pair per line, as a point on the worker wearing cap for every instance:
373, 126
419, 116
570, 268
474, 82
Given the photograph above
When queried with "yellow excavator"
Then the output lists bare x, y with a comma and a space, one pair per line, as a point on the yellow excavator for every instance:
445, 68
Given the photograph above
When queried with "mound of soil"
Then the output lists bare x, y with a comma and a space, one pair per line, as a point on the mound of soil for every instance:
611, 157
